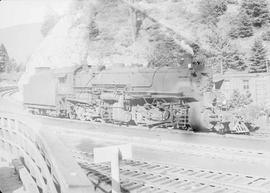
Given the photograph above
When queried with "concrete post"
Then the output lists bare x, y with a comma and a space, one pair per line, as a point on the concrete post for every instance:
115, 170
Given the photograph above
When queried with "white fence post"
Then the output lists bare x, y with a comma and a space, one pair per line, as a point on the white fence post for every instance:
115, 170
113, 154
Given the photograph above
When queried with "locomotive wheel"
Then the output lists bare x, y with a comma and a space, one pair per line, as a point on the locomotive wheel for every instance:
71, 115
166, 115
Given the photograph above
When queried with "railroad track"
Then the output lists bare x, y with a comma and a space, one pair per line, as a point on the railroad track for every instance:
7, 91
162, 130
145, 177
226, 153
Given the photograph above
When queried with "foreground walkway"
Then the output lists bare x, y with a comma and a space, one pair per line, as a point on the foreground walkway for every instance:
9, 180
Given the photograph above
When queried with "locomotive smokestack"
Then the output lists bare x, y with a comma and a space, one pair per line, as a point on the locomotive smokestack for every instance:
186, 47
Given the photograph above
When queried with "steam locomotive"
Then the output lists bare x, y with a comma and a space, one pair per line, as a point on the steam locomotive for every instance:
149, 96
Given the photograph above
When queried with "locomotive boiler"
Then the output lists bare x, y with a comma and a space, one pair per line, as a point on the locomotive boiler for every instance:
149, 96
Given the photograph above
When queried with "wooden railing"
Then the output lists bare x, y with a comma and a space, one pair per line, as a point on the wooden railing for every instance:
48, 164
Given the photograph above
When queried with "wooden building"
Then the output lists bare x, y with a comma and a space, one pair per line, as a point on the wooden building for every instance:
258, 84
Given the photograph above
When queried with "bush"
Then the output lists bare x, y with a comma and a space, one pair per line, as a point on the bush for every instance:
238, 100
166, 52
257, 10
266, 36
243, 27
210, 10
93, 30
224, 55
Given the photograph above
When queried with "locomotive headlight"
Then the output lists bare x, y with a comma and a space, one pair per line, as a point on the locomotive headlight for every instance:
189, 66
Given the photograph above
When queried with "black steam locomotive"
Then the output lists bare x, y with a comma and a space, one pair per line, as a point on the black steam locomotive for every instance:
149, 96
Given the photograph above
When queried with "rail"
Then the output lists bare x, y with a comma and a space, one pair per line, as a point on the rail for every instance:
8, 90
48, 163
145, 177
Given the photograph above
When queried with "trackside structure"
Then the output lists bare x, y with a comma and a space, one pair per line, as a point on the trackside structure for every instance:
46, 165
257, 84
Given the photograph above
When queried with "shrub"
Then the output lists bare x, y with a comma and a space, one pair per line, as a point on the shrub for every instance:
266, 36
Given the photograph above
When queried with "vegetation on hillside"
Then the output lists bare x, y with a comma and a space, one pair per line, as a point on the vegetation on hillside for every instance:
258, 61
223, 32
232, 34
3, 58
8, 64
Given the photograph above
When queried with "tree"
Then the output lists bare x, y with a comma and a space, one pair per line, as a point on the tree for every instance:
257, 10
238, 100
266, 36
4, 58
11, 65
235, 60
224, 55
258, 60
210, 10
93, 30
243, 27
51, 18
166, 52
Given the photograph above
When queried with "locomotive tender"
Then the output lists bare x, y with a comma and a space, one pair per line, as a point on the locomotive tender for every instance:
148, 96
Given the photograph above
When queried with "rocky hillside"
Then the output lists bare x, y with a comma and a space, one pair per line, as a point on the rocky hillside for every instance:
214, 24
218, 27
101, 33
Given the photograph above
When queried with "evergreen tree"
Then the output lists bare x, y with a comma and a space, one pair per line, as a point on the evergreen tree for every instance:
243, 27
257, 10
266, 36
224, 55
258, 59
235, 60
210, 10
4, 59
166, 52
11, 65
93, 30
